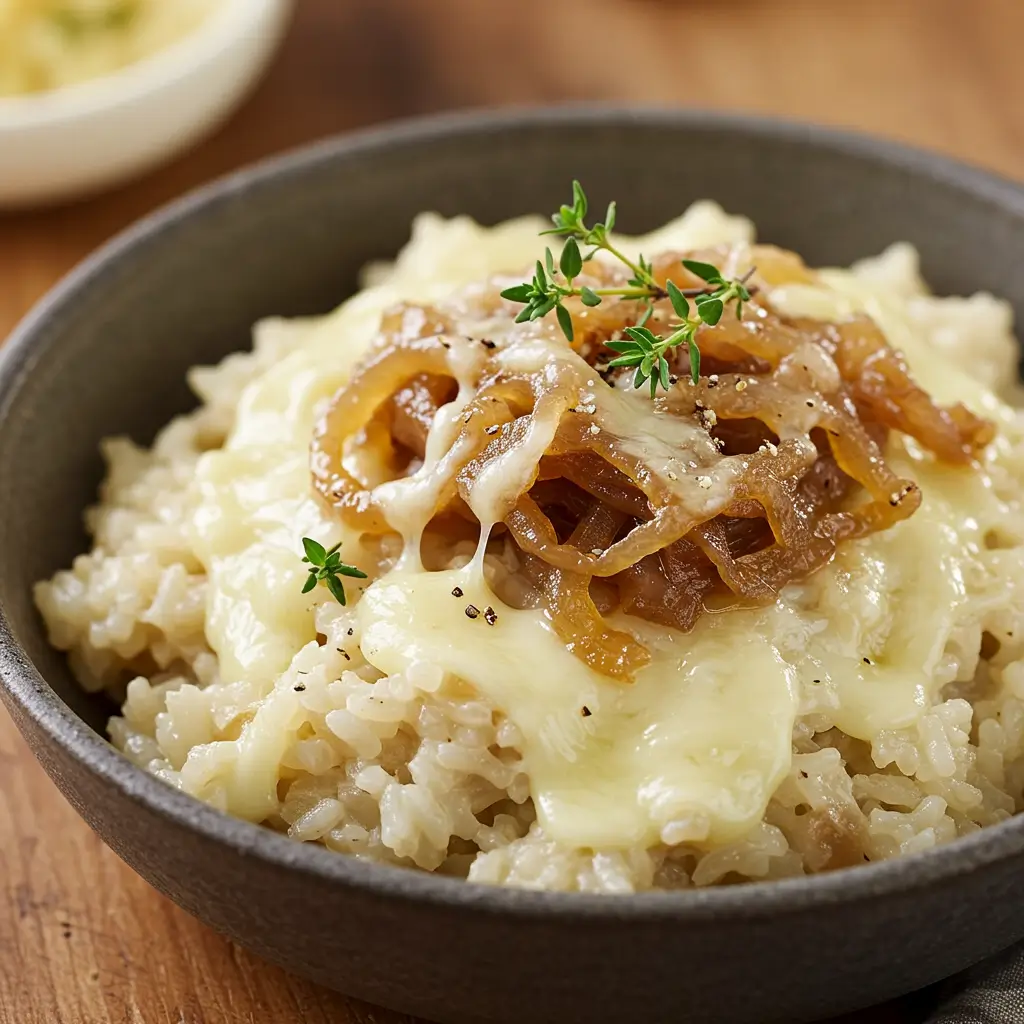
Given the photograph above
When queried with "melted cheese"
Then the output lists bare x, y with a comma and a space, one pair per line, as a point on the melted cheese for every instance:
254, 507
879, 618
701, 739
694, 749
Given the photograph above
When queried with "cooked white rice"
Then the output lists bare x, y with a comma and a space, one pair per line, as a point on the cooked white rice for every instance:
415, 768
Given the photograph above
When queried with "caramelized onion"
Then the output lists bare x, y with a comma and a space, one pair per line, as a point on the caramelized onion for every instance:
723, 492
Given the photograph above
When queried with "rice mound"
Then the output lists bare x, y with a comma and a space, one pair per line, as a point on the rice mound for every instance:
416, 769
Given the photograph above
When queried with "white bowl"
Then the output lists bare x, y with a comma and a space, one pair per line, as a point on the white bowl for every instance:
83, 138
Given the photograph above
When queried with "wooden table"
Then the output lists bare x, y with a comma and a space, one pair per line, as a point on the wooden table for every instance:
82, 939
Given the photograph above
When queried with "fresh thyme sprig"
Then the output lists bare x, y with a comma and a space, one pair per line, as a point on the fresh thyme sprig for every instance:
326, 568
545, 293
645, 349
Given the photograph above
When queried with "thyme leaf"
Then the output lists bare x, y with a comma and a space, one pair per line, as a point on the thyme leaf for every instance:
327, 567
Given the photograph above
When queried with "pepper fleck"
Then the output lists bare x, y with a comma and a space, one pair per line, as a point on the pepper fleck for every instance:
472, 611
491, 430
456, 591
867, 661
490, 616
299, 687
487, 343
586, 712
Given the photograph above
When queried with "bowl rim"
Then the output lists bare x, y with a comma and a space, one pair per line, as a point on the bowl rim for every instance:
31, 696
223, 27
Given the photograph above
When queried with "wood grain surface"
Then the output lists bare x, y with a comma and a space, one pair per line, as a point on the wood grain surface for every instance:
82, 939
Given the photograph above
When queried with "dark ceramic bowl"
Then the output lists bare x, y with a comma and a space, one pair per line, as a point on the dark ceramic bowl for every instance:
106, 353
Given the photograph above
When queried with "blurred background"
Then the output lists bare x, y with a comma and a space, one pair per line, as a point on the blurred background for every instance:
82, 939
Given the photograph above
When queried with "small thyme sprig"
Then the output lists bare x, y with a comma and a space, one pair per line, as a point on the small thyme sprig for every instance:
645, 350
326, 568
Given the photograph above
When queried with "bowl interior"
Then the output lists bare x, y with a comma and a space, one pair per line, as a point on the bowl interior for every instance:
107, 352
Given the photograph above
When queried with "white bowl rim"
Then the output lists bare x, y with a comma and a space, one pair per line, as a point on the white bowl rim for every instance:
227, 21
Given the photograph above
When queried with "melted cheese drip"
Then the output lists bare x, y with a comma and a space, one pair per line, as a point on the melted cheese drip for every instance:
694, 749
680, 450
